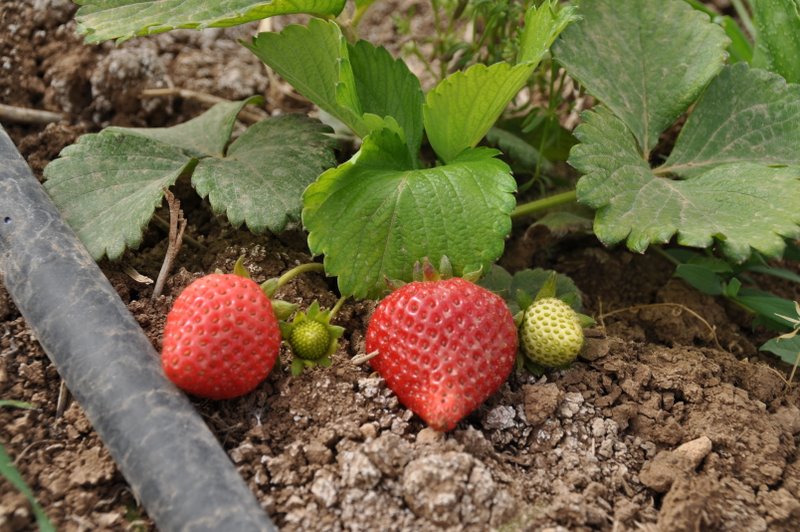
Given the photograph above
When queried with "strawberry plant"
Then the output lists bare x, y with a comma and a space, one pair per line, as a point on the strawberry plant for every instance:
459, 207
735, 157
109, 184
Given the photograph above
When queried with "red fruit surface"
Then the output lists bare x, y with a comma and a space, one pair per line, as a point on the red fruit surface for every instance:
221, 338
444, 347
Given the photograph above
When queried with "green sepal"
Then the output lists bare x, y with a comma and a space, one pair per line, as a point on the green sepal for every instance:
270, 286
297, 366
473, 276
325, 362
239, 268
425, 271
524, 299
286, 329
532, 367
585, 320
283, 309
518, 318
548, 289
445, 268
336, 331
393, 284
519, 362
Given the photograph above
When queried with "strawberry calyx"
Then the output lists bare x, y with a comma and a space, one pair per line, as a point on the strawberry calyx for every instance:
311, 337
425, 271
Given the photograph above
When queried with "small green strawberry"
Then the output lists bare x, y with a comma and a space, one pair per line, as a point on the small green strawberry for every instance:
550, 332
312, 337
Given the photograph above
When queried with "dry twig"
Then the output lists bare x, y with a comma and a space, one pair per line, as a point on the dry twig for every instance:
23, 115
177, 225
360, 359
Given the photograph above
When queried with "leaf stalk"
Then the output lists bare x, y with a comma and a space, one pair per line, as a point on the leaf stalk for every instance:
532, 207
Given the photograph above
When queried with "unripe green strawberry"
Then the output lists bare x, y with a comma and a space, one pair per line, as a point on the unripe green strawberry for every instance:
310, 340
551, 334
443, 347
221, 338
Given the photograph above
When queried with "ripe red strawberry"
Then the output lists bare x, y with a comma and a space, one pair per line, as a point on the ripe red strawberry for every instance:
221, 338
444, 346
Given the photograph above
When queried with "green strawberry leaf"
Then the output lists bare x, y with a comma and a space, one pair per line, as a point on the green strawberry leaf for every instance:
701, 277
778, 39
386, 87
109, 184
542, 26
528, 283
787, 349
646, 60
745, 116
207, 134
260, 181
463, 107
101, 20
636, 205
315, 60
373, 218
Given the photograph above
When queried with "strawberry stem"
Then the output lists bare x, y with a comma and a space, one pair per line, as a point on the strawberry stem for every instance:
297, 270
336, 308
533, 207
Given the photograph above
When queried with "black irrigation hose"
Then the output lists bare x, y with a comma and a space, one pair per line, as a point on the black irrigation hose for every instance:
171, 460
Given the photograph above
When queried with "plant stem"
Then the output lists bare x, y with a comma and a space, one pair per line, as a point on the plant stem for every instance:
297, 270
337, 306
358, 15
551, 105
544, 203
744, 16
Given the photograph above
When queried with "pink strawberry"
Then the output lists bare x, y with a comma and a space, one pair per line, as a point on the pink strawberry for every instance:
444, 346
221, 338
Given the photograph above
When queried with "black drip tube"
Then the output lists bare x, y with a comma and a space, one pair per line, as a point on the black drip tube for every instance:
167, 454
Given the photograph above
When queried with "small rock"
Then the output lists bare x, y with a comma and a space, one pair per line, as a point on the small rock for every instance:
594, 348
390, 453
660, 473
499, 418
357, 471
428, 436
242, 453
789, 418
434, 486
369, 430
571, 405
370, 386
541, 402
598, 428
324, 488
317, 453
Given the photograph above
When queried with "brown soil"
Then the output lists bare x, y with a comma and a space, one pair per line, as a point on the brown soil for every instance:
659, 426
